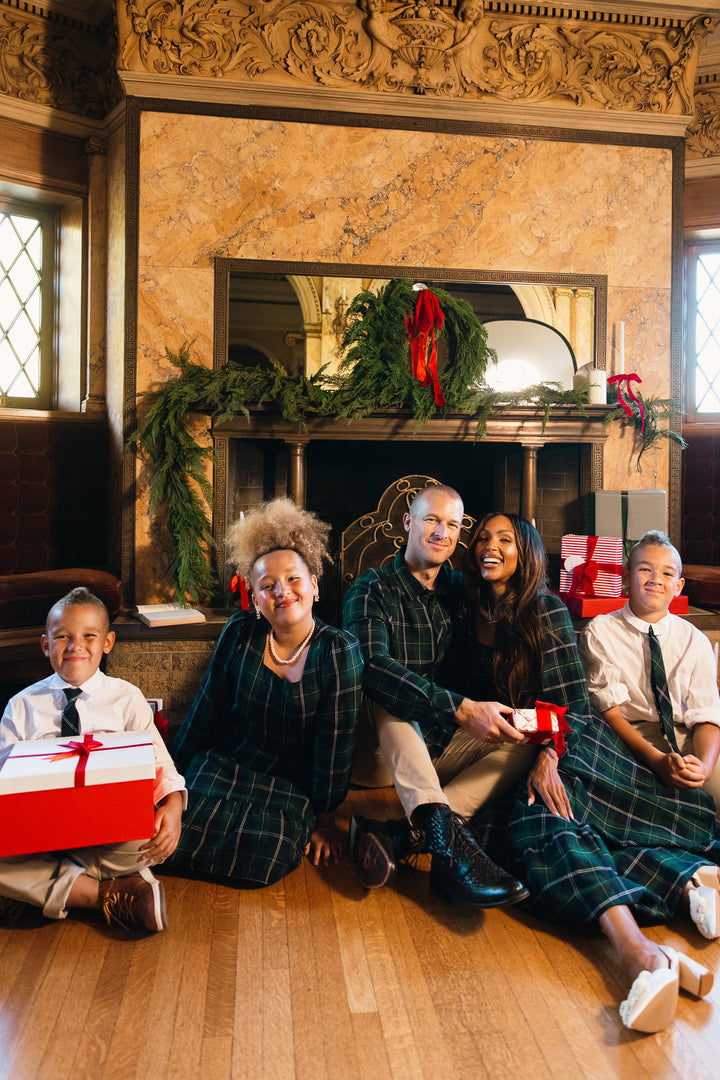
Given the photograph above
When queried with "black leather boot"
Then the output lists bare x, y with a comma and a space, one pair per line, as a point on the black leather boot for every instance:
380, 845
460, 869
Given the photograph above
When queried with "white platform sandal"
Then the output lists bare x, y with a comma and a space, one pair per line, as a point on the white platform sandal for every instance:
650, 1005
704, 899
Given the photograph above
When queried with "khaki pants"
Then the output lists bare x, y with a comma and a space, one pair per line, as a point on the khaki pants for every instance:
45, 880
466, 775
651, 731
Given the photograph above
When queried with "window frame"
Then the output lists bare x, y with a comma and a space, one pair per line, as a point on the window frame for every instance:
49, 216
693, 250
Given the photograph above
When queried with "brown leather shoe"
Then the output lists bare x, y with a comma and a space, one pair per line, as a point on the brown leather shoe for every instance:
138, 898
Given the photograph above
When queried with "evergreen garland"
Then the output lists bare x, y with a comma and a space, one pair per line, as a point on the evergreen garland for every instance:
375, 373
649, 433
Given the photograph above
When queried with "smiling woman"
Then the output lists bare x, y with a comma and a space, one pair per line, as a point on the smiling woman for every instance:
268, 743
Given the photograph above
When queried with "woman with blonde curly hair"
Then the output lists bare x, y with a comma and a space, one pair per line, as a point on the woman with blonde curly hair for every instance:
267, 745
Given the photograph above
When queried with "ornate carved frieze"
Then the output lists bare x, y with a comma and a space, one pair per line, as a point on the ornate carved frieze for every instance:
502, 52
57, 63
703, 135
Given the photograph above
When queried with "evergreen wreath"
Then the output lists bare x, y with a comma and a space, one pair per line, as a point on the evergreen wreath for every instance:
375, 371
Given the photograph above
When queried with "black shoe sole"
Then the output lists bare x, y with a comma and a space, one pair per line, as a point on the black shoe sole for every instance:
377, 865
446, 893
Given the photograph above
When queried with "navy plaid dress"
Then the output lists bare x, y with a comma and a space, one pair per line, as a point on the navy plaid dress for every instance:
262, 756
634, 841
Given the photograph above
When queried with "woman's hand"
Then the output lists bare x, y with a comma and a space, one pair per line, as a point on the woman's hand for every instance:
485, 721
544, 780
168, 818
326, 843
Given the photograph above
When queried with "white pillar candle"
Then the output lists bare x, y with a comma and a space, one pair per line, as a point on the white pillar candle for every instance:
597, 387
621, 350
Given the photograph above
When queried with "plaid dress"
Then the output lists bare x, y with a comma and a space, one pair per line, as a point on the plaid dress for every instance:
262, 756
633, 840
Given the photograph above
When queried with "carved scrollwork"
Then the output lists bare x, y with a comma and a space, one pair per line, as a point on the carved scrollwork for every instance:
60, 67
422, 46
703, 135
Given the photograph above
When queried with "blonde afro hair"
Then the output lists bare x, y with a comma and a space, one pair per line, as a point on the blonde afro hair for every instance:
278, 525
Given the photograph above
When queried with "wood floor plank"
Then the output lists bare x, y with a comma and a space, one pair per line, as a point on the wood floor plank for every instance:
250, 1010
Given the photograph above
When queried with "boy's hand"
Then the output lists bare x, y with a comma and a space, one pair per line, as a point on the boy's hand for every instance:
678, 771
168, 817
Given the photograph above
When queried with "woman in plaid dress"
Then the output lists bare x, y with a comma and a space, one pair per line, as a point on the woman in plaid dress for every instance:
595, 836
267, 745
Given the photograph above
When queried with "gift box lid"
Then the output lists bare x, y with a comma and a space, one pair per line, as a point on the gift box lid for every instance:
46, 764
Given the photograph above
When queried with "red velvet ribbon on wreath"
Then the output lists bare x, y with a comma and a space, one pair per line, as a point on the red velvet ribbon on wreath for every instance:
421, 334
628, 379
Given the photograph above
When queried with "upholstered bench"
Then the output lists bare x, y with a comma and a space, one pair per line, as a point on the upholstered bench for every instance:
25, 599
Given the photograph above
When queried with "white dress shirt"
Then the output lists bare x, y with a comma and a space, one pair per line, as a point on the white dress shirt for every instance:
616, 654
105, 704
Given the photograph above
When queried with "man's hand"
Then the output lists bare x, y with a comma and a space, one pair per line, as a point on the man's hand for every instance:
678, 771
326, 842
485, 721
544, 780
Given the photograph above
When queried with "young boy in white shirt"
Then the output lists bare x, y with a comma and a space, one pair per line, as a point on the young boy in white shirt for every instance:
615, 649
114, 879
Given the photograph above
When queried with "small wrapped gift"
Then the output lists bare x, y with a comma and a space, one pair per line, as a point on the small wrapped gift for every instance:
591, 565
630, 514
76, 792
544, 724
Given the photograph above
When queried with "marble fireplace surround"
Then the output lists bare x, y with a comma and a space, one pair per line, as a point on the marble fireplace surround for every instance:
261, 186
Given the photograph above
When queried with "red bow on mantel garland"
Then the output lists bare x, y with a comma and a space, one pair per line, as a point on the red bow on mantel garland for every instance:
421, 334
628, 379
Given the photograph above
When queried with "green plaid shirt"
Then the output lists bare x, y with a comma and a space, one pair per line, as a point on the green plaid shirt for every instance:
405, 631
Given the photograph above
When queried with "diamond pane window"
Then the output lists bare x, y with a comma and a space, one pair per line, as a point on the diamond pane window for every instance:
21, 305
707, 332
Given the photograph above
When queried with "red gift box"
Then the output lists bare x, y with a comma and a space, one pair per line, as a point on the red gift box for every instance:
76, 792
587, 607
544, 724
591, 565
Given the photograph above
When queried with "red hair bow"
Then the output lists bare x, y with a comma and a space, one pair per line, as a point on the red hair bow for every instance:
421, 333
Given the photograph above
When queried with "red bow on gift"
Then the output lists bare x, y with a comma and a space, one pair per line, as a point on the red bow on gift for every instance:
81, 750
585, 575
421, 334
544, 712
628, 379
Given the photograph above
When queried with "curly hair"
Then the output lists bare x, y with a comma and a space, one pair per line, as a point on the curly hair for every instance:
520, 634
278, 525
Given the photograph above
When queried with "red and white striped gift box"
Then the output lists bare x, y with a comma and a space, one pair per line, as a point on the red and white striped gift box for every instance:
591, 565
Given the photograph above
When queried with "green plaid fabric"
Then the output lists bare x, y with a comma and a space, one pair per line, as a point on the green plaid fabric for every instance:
632, 841
405, 631
261, 756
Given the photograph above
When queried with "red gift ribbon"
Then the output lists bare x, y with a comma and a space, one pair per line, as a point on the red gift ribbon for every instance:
585, 575
421, 333
628, 379
82, 750
544, 712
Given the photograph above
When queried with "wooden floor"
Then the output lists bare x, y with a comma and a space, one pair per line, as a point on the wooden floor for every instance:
316, 979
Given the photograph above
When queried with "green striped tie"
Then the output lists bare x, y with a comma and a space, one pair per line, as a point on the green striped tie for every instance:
658, 680
70, 724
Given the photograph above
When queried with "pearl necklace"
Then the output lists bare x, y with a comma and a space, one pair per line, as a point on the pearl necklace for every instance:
296, 655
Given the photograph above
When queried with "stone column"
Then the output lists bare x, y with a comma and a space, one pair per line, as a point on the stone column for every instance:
94, 399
